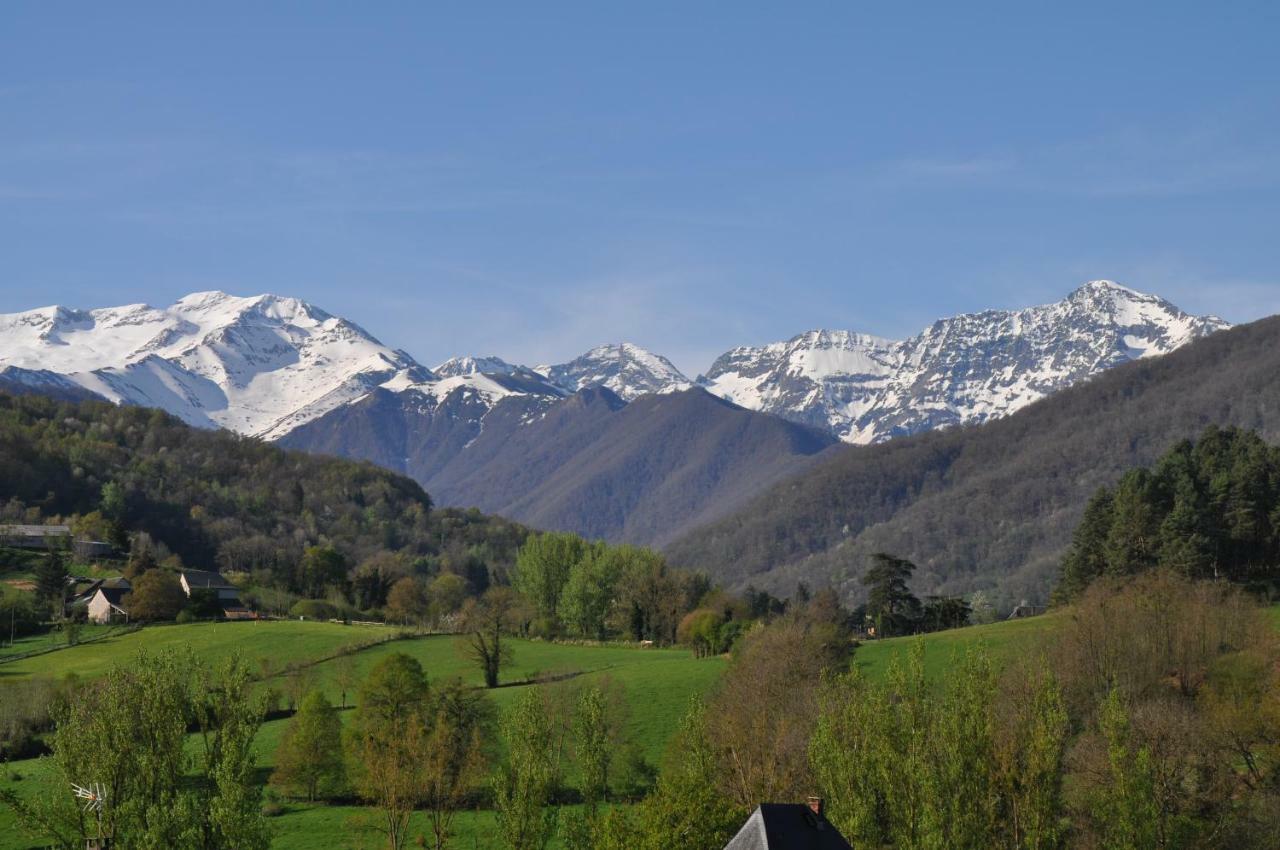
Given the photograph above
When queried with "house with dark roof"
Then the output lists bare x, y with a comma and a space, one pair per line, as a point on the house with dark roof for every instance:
84, 589
107, 604
788, 826
227, 592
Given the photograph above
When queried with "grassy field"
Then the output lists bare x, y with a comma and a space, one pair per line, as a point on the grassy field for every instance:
1001, 641
54, 639
656, 686
280, 641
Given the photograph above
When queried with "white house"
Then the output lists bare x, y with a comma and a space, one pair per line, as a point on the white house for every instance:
107, 605
227, 592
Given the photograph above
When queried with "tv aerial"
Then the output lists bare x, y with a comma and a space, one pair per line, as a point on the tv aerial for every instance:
93, 795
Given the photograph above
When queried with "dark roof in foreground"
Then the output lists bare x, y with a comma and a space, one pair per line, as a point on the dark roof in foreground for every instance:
787, 826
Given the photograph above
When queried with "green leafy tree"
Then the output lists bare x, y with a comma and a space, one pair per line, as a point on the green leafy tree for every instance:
127, 733
907, 765
687, 808
447, 592
395, 690
388, 738
700, 630
543, 566
455, 758
1127, 811
156, 595
524, 784
589, 592
320, 568
1029, 757
309, 758
651, 595
593, 744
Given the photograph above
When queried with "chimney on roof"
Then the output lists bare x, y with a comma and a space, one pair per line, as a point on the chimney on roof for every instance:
815, 805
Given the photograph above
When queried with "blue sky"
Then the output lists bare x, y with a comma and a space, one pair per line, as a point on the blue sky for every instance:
533, 179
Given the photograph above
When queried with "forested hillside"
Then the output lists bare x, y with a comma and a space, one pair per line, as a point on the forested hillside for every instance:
1207, 510
993, 506
215, 499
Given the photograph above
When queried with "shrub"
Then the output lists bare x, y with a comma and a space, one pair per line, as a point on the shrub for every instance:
314, 609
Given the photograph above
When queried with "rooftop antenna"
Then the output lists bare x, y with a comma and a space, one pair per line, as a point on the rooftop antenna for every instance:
94, 795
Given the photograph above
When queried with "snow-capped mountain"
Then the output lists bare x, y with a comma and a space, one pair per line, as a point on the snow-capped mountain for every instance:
261, 365
456, 366
626, 369
960, 370
266, 365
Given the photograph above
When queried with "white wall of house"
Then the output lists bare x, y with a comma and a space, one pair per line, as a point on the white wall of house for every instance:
99, 609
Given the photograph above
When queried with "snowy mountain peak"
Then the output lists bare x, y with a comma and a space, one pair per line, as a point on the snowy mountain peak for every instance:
962, 369
266, 364
625, 368
456, 366
245, 363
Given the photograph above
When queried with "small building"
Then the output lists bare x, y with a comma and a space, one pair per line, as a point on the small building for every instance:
227, 593
239, 612
107, 604
1026, 609
788, 826
35, 536
83, 589
51, 537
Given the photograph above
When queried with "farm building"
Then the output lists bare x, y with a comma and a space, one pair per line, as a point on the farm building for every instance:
50, 537
227, 592
107, 605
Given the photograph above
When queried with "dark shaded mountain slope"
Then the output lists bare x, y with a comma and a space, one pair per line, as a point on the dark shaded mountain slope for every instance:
410, 432
991, 506
641, 472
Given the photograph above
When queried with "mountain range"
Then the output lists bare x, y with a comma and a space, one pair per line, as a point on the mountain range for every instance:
616, 443
991, 507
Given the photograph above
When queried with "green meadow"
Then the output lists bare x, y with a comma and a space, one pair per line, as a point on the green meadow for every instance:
1002, 641
655, 686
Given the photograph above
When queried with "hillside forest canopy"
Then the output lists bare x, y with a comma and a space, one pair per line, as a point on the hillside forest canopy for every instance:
1206, 509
